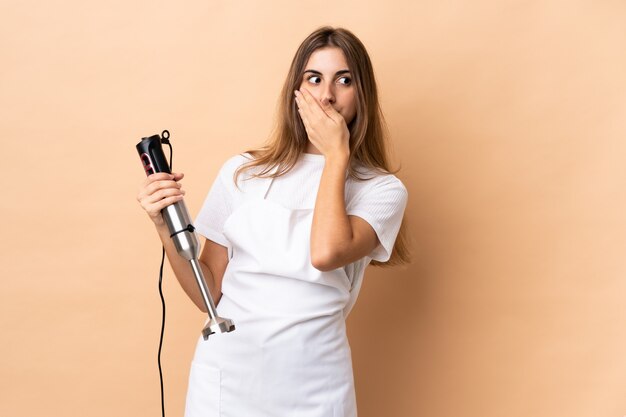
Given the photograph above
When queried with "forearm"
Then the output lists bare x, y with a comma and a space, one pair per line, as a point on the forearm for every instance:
184, 273
331, 231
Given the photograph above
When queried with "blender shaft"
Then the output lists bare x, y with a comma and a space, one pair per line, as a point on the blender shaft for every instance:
204, 290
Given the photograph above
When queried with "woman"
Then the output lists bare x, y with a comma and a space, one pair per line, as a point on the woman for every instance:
289, 229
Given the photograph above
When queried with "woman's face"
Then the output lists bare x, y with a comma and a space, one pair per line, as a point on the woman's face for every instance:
326, 76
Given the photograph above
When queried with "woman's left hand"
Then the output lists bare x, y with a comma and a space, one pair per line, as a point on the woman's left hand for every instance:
324, 125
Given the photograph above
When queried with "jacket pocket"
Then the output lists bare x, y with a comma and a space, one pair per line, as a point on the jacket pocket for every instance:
203, 391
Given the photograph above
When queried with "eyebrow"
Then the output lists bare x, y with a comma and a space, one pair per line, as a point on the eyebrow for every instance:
343, 71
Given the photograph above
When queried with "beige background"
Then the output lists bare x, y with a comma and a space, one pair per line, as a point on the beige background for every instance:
508, 118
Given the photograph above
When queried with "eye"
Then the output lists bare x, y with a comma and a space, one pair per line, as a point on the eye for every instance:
348, 80
313, 76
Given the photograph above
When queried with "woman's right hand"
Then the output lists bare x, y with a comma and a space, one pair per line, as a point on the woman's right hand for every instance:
158, 191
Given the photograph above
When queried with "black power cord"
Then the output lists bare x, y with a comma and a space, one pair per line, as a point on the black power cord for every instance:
167, 142
162, 330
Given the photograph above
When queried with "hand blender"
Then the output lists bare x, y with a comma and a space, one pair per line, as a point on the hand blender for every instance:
181, 230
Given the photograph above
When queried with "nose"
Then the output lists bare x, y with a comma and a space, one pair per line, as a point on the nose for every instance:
328, 93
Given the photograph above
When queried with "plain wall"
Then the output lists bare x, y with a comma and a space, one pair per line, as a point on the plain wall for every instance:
507, 118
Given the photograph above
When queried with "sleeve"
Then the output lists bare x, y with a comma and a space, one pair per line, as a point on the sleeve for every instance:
216, 208
382, 206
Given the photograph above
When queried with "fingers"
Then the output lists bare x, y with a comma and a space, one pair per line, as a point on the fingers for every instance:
306, 104
162, 179
307, 97
158, 176
330, 111
160, 194
153, 183
158, 191
316, 112
300, 103
307, 127
154, 208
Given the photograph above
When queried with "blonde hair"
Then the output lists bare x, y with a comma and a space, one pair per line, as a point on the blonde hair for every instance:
368, 131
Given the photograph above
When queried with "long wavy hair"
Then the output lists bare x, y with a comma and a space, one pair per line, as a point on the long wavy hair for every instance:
368, 131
